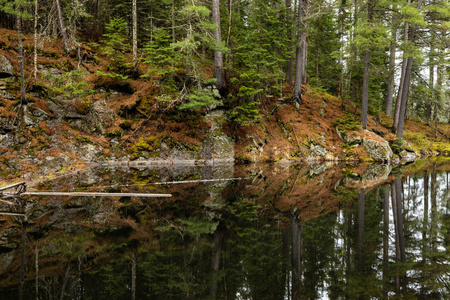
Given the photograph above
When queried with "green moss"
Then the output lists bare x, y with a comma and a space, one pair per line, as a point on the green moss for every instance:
84, 139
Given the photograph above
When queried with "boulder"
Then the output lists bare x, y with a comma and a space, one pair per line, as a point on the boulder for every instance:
351, 138
6, 69
407, 156
377, 147
318, 150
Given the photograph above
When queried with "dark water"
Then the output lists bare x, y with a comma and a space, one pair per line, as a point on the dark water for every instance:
279, 232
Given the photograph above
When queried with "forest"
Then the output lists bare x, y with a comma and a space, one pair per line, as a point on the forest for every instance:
385, 59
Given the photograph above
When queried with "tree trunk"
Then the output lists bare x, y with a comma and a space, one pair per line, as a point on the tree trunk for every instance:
299, 56
406, 82
218, 56
402, 80
390, 87
290, 16
62, 27
428, 104
22, 73
135, 54
304, 43
36, 7
365, 97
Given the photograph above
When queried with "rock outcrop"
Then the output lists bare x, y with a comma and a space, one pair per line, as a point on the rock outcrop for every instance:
6, 69
377, 147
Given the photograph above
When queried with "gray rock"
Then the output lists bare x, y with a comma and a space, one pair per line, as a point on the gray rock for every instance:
6, 69
408, 156
377, 147
318, 150
218, 146
350, 139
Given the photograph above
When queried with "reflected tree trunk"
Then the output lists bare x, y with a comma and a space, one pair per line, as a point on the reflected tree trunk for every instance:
133, 276
215, 261
36, 264
64, 285
385, 241
361, 206
285, 234
400, 239
296, 230
425, 214
22, 260
434, 213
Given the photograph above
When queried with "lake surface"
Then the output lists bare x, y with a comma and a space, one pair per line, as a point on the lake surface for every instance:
237, 232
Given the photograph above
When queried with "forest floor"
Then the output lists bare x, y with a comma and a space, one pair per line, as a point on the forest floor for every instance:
129, 119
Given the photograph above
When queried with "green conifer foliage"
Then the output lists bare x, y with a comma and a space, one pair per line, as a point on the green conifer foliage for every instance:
116, 46
259, 57
324, 52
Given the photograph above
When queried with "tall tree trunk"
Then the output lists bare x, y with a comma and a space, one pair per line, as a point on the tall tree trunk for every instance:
36, 7
290, 16
304, 43
365, 98
62, 27
406, 82
218, 56
428, 104
21, 62
402, 80
390, 87
439, 90
173, 29
135, 50
299, 56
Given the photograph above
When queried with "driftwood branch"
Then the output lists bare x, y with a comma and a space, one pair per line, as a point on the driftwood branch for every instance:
12, 186
93, 194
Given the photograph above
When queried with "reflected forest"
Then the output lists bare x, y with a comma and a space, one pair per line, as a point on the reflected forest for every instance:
221, 240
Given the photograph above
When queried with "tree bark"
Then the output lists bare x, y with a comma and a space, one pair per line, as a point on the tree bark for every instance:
428, 104
62, 27
299, 56
365, 98
402, 80
406, 82
390, 87
135, 54
218, 56
21, 62
36, 7
290, 16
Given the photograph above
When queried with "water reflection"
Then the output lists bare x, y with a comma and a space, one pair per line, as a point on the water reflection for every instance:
288, 232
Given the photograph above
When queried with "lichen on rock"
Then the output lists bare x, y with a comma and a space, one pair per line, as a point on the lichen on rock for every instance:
377, 147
